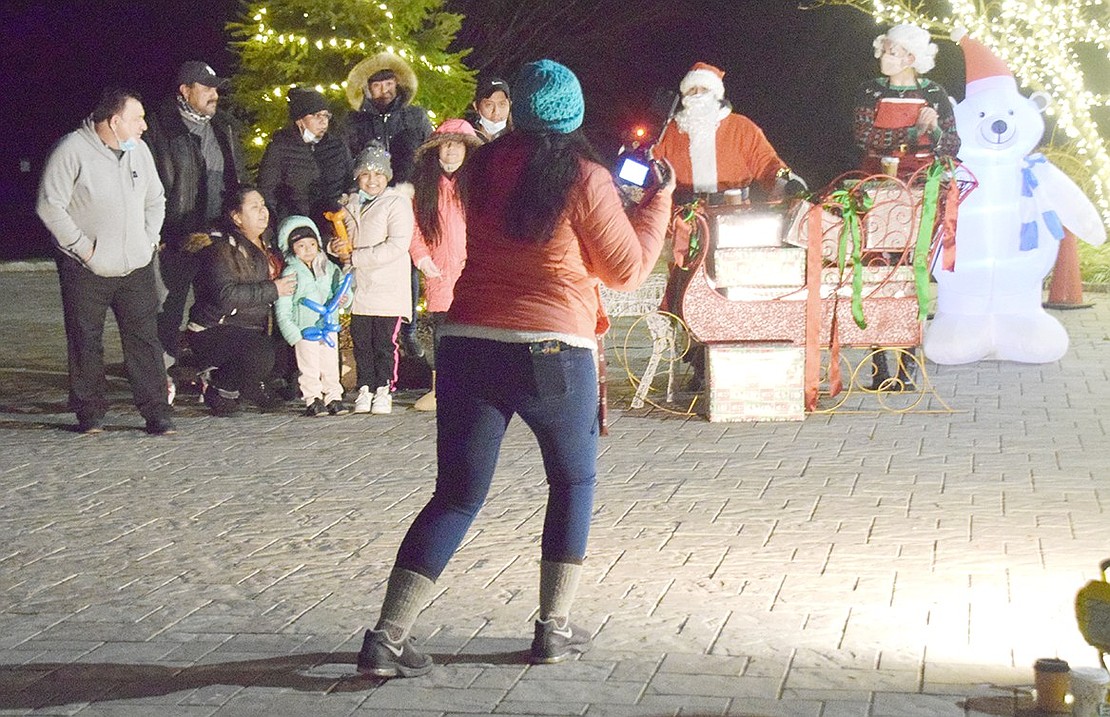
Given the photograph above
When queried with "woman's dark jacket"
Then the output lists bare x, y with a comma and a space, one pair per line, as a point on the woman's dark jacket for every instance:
232, 285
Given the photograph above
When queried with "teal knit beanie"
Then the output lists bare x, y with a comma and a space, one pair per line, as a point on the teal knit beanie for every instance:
547, 98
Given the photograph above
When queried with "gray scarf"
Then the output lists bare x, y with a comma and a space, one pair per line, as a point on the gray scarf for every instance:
191, 114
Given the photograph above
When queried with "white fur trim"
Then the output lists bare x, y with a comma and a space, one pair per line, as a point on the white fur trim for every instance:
703, 78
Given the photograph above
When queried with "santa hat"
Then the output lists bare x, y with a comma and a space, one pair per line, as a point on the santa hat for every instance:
982, 67
704, 75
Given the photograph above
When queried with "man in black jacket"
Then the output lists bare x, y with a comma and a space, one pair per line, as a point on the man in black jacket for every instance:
380, 89
306, 167
196, 150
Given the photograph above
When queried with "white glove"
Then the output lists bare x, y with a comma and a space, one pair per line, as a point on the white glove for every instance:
428, 268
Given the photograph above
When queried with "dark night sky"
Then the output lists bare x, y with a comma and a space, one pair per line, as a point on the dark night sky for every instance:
791, 71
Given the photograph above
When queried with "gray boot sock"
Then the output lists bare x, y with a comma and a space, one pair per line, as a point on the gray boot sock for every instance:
558, 586
405, 596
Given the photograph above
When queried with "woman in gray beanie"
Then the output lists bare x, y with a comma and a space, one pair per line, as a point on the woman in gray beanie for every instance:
545, 227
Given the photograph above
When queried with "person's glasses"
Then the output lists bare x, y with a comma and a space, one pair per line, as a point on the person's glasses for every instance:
321, 115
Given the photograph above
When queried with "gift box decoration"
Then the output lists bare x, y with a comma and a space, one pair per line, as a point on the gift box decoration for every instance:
756, 382
759, 266
797, 229
748, 229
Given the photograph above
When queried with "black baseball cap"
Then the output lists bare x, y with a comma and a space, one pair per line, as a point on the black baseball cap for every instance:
488, 85
197, 71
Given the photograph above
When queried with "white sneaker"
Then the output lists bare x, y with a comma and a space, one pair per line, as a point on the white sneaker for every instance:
363, 402
383, 402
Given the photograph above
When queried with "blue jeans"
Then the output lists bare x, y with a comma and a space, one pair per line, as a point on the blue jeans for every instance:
480, 384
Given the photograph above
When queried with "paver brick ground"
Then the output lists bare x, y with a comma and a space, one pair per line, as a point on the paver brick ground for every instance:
851, 565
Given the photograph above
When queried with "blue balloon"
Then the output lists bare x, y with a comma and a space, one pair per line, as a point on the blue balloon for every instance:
315, 306
328, 323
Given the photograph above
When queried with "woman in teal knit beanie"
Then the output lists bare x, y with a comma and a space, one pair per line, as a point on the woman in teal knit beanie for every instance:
545, 227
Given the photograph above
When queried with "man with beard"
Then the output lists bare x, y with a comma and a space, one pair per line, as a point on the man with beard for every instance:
712, 149
196, 149
381, 89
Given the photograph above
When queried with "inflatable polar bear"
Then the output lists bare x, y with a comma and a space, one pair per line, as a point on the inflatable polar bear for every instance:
1009, 226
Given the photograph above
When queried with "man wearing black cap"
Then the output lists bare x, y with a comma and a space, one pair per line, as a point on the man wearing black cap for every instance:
490, 111
305, 168
196, 150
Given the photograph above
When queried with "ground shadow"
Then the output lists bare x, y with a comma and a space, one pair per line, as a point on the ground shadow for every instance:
1017, 704
35, 686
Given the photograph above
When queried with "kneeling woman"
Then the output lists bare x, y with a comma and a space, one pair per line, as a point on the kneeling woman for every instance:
233, 292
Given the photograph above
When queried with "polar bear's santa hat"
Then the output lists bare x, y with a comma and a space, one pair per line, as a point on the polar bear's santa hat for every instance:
984, 70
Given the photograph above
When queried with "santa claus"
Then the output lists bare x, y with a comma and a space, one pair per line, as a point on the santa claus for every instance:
712, 148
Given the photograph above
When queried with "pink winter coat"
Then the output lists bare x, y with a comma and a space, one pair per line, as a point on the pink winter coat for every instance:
449, 254
381, 232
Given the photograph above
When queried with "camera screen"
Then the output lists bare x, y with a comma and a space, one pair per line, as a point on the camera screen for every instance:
633, 172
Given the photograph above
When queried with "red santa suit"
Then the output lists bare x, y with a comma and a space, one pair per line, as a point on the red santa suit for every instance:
744, 155
711, 148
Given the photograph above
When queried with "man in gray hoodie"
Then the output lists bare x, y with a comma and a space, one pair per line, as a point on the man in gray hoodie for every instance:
103, 203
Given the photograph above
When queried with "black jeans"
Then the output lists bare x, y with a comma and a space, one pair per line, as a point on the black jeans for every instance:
133, 299
242, 357
177, 269
375, 349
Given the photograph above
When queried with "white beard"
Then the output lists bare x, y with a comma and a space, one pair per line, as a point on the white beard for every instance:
699, 118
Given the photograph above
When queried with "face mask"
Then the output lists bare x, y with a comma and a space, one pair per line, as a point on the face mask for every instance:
492, 127
366, 197
449, 168
125, 145
308, 137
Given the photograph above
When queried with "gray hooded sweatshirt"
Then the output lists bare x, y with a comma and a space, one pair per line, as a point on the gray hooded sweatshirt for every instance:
104, 210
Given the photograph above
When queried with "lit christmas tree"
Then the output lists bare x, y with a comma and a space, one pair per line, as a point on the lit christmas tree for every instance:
309, 43
1041, 42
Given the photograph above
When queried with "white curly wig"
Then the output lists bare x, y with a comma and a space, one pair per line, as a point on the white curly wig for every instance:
915, 40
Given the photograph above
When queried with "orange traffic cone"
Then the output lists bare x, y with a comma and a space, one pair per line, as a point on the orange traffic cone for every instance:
1065, 289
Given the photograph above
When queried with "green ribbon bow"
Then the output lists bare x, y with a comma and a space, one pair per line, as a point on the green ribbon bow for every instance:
929, 204
852, 205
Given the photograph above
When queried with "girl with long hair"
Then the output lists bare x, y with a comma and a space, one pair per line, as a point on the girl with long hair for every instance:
438, 246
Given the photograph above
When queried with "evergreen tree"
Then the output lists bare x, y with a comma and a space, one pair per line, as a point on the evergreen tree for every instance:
312, 43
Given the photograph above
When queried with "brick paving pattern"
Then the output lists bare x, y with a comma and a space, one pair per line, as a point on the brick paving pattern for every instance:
851, 565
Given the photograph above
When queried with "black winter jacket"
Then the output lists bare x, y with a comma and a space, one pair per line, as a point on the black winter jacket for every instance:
300, 178
181, 168
232, 285
401, 129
